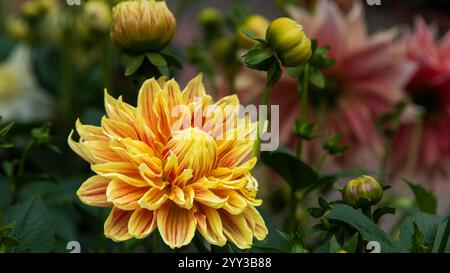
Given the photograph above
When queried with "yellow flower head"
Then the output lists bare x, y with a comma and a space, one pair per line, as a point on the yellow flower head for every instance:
168, 164
142, 25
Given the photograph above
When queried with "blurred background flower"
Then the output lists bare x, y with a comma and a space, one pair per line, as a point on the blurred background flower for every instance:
422, 145
21, 97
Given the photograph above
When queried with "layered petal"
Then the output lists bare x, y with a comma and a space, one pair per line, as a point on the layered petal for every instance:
176, 225
93, 191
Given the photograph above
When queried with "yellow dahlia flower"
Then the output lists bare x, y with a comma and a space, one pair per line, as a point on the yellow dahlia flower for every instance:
155, 173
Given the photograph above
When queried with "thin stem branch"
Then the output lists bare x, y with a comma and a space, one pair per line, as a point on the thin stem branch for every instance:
265, 102
304, 106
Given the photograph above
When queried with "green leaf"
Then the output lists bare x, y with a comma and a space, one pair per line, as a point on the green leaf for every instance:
418, 240
275, 72
335, 247
380, 212
428, 224
259, 57
316, 212
426, 201
10, 242
441, 241
172, 60
5, 129
133, 64
351, 245
249, 34
34, 228
368, 230
297, 174
158, 60
317, 79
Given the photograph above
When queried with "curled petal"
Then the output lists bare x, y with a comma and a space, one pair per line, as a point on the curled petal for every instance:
235, 204
194, 89
256, 223
116, 225
124, 171
114, 128
236, 229
153, 199
89, 132
207, 197
142, 222
118, 110
93, 191
176, 225
151, 176
210, 225
124, 195
75, 146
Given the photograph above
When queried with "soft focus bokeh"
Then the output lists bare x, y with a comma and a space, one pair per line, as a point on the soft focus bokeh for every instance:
56, 60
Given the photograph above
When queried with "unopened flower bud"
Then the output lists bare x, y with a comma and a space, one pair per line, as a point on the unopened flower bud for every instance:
97, 16
257, 24
142, 25
210, 20
33, 9
289, 41
362, 192
17, 28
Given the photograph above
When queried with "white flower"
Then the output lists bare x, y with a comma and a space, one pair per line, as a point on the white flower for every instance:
21, 97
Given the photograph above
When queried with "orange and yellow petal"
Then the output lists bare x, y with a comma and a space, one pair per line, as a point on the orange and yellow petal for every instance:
125, 196
153, 199
236, 229
256, 223
124, 171
176, 225
142, 222
209, 225
116, 225
93, 191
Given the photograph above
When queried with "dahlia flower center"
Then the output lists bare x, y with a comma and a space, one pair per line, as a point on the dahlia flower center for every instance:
194, 149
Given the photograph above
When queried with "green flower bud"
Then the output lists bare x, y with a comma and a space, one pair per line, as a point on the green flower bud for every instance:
289, 41
143, 25
210, 20
362, 192
256, 24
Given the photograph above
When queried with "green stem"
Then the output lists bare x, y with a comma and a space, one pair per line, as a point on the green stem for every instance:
257, 145
321, 162
384, 166
24, 157
292, 220
445, 237
304, 106
414, 148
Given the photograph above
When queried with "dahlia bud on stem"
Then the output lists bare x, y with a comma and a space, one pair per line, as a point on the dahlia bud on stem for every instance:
362, 192
142, 29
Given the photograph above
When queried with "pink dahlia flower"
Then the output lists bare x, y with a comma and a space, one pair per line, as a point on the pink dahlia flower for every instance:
422, 145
